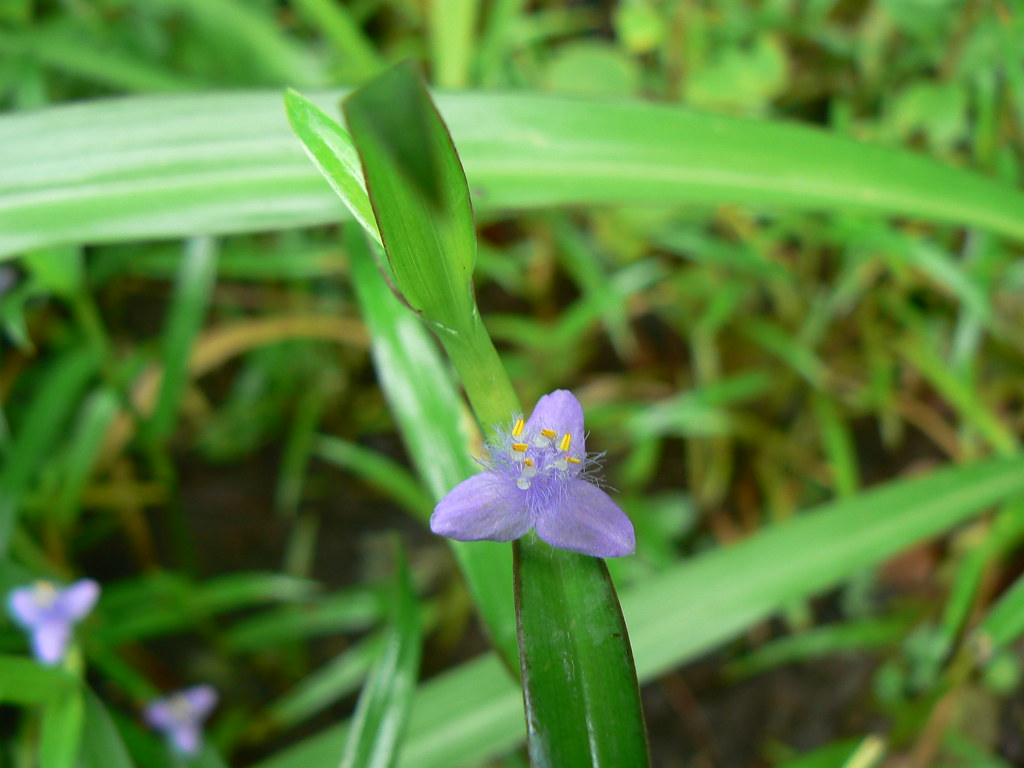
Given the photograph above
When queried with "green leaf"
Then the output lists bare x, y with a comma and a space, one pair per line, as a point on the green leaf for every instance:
61, 729
452, 29
380, 717
473, 713
839, 638
340, 26
419, 194
330, 148
24, 681
45, 416
831, 755
173, 166
101, 746
325, 686
193, 287
163, 603
421, 395
579, 684
1005, 622
64, 50
348, 611
98, 410
379, 470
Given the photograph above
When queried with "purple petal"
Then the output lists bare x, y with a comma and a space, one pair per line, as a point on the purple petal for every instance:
486, 506
201, 699
78, 599
50, 641
160, 714
185, 737
562, 412
25, 608
586, 520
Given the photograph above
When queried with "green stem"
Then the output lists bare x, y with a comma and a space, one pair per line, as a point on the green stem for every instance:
483, 376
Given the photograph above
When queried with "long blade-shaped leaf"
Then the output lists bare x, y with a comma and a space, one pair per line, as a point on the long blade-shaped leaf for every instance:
102, 746
582, 700
24, 682
330, 148
379, 721
45, 417
421, 394
419, 194
175, 166
193, 289
61, 732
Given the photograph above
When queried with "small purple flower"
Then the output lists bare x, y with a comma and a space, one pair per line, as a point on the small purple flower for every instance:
48, 612
539, 476
180, 716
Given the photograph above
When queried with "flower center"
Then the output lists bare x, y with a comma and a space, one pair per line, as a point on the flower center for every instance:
44, 595
181, 709
539, 455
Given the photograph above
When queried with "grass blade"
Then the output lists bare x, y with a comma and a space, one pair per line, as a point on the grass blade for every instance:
579, 684
193, 288
61, 731
421, 395
325, 686
419, 194
380, 717
378, 470
452, 31
174, 166
1005, 622
340, 28
102, 746
330, 148
44, 418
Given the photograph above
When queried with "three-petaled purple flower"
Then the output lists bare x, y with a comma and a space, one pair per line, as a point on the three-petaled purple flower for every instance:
538, 476
180, 716
48, 613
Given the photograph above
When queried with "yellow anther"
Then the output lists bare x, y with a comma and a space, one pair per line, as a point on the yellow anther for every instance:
571, 459
548, 432
566, 442
528, 462
521, 447
517, 430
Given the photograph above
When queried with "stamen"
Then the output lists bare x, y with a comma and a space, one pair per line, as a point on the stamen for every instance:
517, 430
540, 441
548, 432
528, 462
528, 472
560, 463
570, 458
523, 483
521, 447
566, 442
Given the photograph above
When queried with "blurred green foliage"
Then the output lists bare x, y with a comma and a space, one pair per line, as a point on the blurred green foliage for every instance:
198, 424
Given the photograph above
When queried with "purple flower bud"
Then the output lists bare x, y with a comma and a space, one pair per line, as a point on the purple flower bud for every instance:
539, 476
180, 717
48, 612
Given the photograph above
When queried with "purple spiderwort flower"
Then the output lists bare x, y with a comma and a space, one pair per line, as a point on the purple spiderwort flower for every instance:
48, 613
539, 476
180, 716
